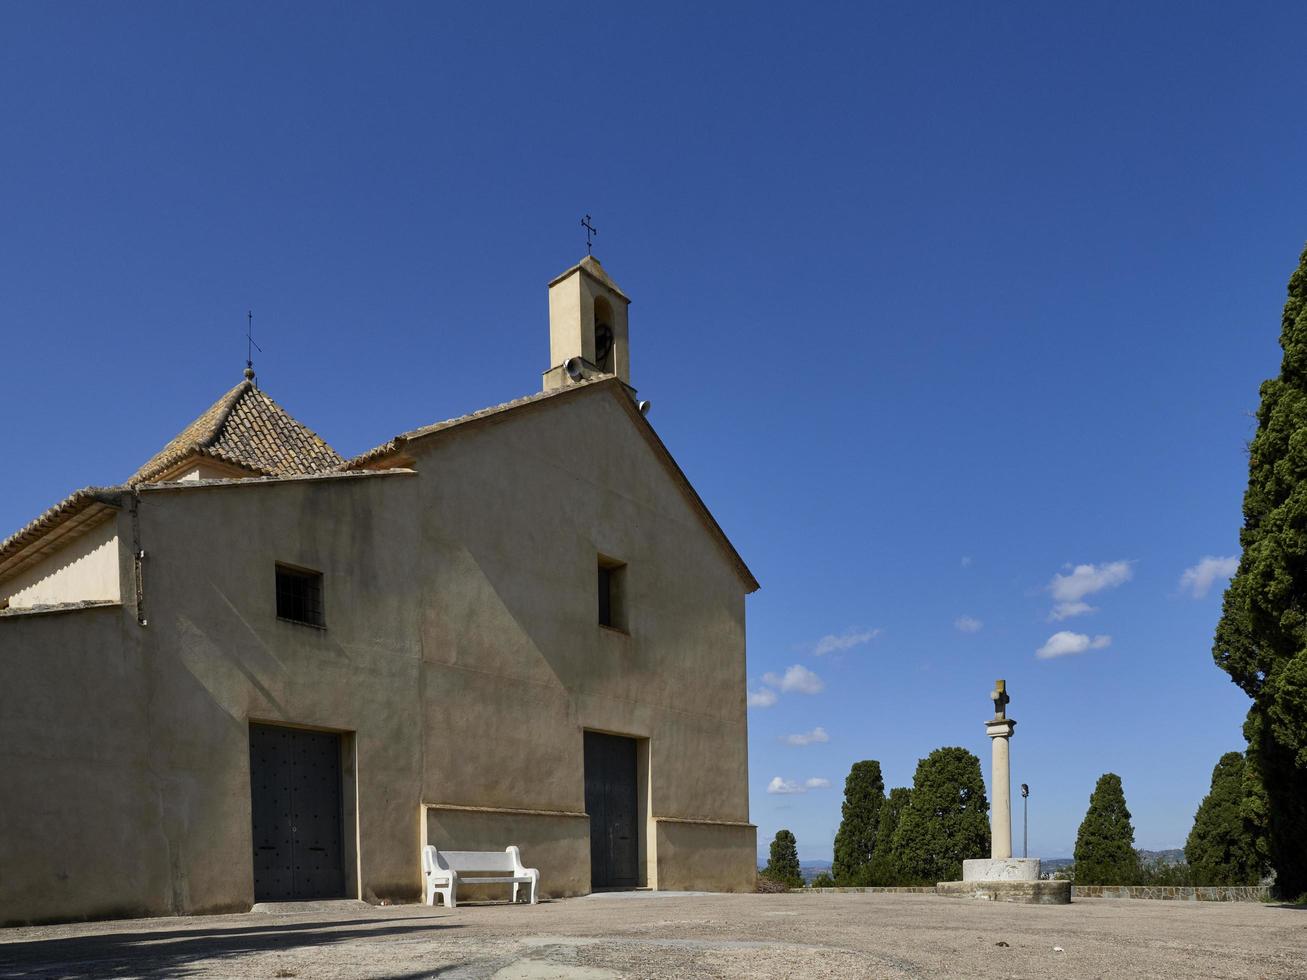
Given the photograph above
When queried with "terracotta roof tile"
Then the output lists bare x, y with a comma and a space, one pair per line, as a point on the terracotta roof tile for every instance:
247, 429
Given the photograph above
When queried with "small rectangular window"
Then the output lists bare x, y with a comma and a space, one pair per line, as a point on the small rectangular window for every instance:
299, 596
612, 593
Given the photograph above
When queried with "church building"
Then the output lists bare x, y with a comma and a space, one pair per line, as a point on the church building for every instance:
258, 671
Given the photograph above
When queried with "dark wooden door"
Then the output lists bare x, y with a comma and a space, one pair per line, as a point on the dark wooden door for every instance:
611, 801
296, 805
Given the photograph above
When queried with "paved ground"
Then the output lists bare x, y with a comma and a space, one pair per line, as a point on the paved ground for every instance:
668, 935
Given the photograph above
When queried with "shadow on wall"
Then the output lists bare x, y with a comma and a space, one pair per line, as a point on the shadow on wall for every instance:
176, 953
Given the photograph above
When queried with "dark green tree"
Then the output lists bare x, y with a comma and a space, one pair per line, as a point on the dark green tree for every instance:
864, 792
1105, 846
945, 821
783, 863
1222, 847
882, 870
1261, 639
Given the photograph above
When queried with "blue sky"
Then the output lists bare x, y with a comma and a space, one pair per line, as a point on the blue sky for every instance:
934, 304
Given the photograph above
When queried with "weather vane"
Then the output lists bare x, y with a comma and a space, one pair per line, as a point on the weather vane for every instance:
250, 345
589, 230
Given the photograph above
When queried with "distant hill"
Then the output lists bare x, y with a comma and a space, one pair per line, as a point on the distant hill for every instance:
1174, 855
809, 869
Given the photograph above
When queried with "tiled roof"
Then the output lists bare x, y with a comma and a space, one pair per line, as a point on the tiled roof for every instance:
246, 428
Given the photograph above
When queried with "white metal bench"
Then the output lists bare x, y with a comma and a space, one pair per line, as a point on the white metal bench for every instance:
445, 869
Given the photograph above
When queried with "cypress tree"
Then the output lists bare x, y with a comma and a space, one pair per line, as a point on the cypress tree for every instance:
945, 821
1105, 846
864, 791
783, 862
882, 870
1222, 848
1261, 639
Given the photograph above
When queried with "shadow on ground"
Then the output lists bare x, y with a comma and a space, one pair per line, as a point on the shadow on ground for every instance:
172, 953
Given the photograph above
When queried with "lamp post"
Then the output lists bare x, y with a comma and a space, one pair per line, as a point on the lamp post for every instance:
1025, 821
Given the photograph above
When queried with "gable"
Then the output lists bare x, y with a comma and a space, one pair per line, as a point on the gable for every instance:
592, 398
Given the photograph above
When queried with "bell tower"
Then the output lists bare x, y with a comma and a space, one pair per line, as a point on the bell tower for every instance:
588, 336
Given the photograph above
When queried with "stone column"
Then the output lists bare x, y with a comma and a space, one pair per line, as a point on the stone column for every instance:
999, 731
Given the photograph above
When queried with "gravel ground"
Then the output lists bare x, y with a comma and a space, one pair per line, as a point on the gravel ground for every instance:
664, 935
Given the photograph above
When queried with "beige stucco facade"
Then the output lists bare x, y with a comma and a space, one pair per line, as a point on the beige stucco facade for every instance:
461, 659
86, 570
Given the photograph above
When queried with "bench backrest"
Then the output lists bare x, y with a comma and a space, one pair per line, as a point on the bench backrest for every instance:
468, 860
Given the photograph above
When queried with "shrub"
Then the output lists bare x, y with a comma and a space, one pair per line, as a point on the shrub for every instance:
783, 864
1105, 845
883, 871
945, 820
1223, 848
864, 791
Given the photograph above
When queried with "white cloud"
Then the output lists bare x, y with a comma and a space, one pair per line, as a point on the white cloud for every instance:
797, 678
764, 697
1065, 610
1065, 642
968, 624
1069, 590
833, 642
1199, 579
818, 734
789, 787
784, 787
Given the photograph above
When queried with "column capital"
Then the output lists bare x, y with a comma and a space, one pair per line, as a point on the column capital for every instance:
999, 727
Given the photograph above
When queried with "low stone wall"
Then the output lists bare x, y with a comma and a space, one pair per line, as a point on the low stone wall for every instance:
914, 890
1172, 893
1176, 893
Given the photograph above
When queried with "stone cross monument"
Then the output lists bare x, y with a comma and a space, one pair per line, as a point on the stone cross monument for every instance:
1001, 877
999, 729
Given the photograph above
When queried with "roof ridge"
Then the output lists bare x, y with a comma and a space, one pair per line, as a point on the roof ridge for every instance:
236, 394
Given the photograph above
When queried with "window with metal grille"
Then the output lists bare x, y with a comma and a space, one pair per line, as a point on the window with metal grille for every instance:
299, 595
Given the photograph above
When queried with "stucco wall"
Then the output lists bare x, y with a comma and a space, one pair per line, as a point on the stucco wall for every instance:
461, 656
79, 810
87, 570
705, 856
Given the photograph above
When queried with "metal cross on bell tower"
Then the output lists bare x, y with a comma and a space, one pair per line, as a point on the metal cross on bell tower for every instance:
589, 231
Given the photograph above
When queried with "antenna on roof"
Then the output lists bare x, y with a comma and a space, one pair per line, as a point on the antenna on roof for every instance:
250, 345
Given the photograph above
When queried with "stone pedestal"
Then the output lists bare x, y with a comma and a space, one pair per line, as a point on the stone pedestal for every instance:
1003, 869
1020, 892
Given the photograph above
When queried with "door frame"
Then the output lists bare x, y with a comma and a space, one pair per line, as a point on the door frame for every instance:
351, 870
645, 830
